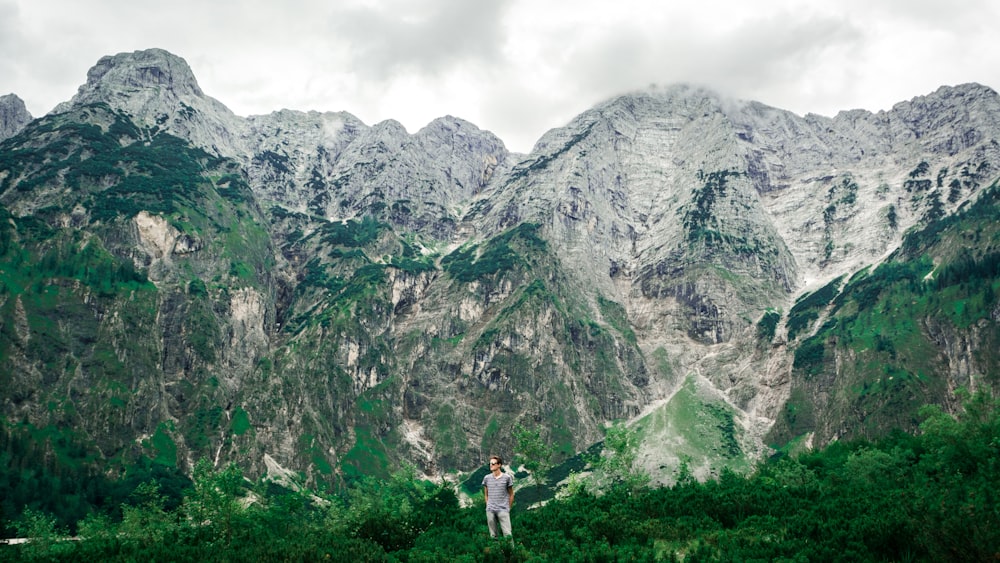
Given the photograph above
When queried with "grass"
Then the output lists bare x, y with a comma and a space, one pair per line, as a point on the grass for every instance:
696, 428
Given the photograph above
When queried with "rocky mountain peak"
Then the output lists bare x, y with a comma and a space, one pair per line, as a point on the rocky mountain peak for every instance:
151, 68
158, 89
965, 94
13, 115
449, 126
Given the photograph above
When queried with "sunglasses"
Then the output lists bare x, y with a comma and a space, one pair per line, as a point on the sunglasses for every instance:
494, 463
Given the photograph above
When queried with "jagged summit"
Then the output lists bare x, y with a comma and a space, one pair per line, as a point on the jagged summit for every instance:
13, 115
130, 79
142, 69
159, 89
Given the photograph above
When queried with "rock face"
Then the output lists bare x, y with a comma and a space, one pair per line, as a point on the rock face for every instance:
13, 116
158, 90
319, 294
332, 165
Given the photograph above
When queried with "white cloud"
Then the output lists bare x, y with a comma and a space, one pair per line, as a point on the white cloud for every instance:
516, 67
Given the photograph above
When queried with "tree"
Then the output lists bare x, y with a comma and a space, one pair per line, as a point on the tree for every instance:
146, 522
536, 454
214, 500
955, 489
617, 461
42, 534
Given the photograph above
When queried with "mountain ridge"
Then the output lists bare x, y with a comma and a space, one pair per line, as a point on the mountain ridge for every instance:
398, 296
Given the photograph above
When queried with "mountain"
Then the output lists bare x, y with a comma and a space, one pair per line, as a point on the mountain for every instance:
304, 292
13, 115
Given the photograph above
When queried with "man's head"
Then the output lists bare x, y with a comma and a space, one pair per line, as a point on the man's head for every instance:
496, 462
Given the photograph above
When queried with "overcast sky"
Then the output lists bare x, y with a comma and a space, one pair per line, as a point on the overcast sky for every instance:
514, 67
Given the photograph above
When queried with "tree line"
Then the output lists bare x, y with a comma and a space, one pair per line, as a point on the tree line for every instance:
931, 496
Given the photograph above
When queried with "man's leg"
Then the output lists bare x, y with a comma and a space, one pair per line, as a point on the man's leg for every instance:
504, 518
491, 521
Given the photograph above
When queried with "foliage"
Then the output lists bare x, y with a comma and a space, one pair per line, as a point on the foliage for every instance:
808, 307
533, 453
499, 254
616, 315
925, 497
118, 169
878, 356
699, 220
351, 234
809, 356
767, 325
542, 162
618, 461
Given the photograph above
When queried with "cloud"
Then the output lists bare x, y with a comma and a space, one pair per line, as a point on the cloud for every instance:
515, 67
11, 42
429, 36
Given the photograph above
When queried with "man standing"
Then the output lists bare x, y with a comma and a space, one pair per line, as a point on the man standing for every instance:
498, 488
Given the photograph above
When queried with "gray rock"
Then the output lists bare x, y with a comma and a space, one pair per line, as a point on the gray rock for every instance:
13, 116
159, 91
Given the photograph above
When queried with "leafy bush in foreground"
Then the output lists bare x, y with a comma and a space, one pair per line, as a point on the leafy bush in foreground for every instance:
930, 497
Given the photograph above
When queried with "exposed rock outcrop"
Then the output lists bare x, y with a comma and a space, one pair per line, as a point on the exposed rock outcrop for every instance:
13, 115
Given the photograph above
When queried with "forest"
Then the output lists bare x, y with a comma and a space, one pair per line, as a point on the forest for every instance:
930, 496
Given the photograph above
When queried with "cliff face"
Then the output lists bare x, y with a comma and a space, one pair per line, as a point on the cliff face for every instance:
303, 290
13, 115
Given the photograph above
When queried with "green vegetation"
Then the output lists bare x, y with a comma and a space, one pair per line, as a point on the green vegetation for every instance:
767, 325
808, 307
809, 356
499, 254
543, 161
241, 422
116, 170
31, 259
700, 221
877, 356
844, 193
700, 428
533, 453
916, 182
929, 497
83, 330
351, 234
617, 464
616, 316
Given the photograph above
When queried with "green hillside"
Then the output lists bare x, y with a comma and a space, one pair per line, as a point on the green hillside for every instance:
870, 350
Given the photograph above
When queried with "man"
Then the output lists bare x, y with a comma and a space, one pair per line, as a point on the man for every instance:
498, 488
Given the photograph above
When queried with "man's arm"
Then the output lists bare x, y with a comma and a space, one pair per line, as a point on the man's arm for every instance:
510, 495
486, 494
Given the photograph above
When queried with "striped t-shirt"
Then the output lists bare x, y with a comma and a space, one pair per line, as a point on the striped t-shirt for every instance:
496, 491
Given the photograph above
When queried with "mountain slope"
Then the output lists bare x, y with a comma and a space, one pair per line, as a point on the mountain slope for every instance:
136, 283
305, 291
